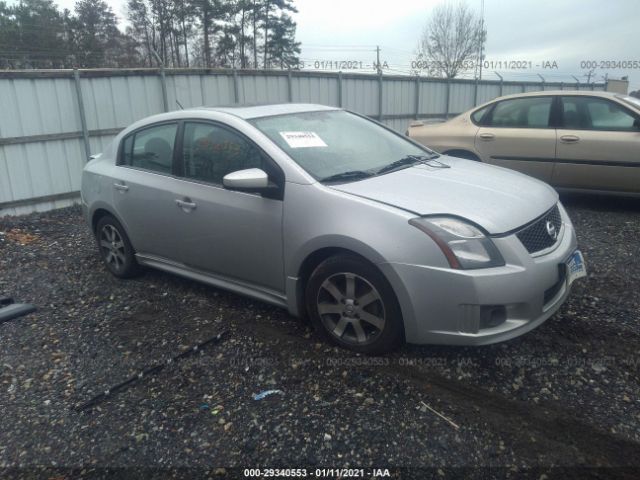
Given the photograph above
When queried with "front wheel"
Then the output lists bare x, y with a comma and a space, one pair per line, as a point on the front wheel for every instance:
352, 304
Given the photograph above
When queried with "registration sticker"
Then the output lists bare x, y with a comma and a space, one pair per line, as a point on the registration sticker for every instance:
575, 267
303, 139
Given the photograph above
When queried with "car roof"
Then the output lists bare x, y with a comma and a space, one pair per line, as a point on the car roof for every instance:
243, 112
266, 110
590, 93
541, 93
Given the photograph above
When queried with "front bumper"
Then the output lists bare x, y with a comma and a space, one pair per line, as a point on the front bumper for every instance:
447, 306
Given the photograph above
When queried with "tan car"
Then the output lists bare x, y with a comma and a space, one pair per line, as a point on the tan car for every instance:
582, 140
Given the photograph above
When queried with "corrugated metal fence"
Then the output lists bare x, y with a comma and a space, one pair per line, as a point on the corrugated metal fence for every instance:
51, 120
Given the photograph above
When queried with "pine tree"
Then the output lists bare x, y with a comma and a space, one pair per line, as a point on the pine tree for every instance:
184, 12
205, 12
282, 48
256, 7
227, 43
228, 33
97, 34
243, 14
140, 28
32, 35
272, 12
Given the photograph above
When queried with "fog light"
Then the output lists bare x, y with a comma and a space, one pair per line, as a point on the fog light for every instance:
492, 315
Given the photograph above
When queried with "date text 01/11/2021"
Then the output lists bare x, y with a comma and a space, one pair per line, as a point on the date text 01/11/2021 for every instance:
488, 64
318, 472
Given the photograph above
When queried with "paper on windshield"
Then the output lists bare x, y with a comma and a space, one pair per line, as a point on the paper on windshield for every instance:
302, 139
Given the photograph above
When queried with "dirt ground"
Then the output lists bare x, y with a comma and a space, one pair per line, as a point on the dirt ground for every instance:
563, 400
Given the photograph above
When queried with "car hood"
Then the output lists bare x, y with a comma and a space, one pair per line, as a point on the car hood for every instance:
497, 199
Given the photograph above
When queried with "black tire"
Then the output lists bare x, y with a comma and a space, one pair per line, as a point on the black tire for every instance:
119, 257
352, 317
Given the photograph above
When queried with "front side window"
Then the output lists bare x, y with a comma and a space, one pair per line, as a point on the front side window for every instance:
329, 143
532, 112
210, 152
590, 113
151, 148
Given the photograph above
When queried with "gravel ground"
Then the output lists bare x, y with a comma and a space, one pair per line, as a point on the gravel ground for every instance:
564, 398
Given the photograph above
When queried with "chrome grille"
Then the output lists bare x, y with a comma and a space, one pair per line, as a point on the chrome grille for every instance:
535, 237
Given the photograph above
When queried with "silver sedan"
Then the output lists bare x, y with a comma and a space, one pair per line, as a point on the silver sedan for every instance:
375, 238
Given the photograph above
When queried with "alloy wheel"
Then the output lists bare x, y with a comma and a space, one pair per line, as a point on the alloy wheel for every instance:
351, 308
112, 247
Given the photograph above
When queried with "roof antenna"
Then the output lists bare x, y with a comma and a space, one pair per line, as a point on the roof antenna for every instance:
179, 104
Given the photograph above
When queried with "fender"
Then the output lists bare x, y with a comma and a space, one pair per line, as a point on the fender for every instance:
293, 290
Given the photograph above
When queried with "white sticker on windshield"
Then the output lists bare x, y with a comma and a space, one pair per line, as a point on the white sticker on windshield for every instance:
302, 139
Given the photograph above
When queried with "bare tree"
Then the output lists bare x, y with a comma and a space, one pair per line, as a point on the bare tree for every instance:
451, 40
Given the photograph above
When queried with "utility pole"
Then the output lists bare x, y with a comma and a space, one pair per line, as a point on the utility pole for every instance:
482, 36
378, 67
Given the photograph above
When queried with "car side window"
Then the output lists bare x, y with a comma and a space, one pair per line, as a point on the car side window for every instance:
210, 152
478, 114
590, 113
127, 149
151, 148
530, 112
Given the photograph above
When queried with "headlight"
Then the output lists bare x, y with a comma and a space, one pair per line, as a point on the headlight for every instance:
464, 245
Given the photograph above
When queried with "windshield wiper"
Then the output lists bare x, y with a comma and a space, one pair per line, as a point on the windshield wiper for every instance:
406, 162
350, 175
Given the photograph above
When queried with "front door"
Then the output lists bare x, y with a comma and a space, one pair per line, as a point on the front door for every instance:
518, 135
229, 233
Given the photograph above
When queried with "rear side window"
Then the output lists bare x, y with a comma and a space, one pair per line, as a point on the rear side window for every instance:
590, 113
532, 112
151, 148
210, 152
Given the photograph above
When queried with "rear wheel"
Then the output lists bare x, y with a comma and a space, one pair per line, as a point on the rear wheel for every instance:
115, 248
351, 304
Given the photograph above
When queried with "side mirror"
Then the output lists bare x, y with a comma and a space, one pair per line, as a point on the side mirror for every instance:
249, 180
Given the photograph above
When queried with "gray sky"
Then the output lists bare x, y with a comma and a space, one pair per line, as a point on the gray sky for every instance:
564, 31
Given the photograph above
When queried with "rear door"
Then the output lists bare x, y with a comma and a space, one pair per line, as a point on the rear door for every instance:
598, 145
518, 134
142, 189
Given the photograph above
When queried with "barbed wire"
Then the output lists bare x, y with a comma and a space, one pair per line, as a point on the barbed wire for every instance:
314, 53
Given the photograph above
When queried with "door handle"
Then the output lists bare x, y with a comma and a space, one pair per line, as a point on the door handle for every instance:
569, 138
487, 136
121, 187
186, 204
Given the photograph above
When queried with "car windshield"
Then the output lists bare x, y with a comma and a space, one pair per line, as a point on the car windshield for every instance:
340, 146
